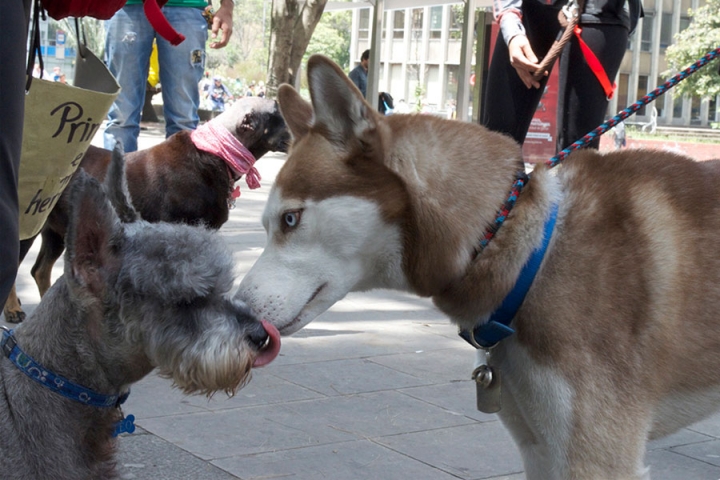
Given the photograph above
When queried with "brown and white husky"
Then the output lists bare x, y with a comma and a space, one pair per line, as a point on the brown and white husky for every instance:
618, 339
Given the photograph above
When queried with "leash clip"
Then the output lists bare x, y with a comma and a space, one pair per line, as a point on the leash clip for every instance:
571, 10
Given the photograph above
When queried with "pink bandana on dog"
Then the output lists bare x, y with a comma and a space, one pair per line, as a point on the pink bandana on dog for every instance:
216, 139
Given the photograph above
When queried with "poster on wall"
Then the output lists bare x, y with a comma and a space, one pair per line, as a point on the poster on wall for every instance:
539, 143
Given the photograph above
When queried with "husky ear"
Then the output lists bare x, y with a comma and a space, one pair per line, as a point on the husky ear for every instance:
298, 113
93, 234
339, 105
116, 186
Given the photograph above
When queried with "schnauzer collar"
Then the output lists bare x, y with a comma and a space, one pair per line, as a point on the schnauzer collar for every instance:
497, 328
26, 364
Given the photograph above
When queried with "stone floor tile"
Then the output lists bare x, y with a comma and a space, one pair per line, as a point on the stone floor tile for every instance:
479, 450
457, 397
347, 376
666, 465
251, 430
358, 460
708, 452
147, 457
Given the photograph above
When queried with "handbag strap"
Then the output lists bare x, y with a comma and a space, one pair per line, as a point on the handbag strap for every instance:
34, 50
78, 32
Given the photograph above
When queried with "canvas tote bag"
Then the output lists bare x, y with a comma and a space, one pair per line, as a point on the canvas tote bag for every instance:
60, 122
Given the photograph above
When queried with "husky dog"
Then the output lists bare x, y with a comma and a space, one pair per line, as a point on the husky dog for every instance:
617, 340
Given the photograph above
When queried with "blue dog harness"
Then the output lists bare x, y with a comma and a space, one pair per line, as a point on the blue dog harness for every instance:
497, 328
26, 364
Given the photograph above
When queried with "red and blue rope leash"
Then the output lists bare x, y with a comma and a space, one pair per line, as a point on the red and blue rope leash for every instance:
584, 141
522, 179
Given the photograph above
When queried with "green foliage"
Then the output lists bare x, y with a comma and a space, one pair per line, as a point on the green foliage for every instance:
702, 36
246, 55
419, 97
457, 19
332, 38
247, 71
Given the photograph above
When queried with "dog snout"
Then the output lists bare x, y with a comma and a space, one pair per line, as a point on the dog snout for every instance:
257, 335
284, 142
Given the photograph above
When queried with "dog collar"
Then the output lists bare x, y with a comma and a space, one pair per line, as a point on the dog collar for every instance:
497, 328
26, 364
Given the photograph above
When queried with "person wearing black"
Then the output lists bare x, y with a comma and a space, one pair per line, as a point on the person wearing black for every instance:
528, 29
13, 24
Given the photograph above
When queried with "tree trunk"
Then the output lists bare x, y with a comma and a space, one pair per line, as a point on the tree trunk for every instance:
292, 26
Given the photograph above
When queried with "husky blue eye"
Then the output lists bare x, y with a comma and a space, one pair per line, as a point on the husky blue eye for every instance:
292, 218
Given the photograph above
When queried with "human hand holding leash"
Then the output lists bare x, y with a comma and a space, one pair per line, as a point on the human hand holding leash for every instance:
523, 59
222, 20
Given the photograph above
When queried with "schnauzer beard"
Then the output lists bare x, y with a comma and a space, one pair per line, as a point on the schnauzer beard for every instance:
217, 361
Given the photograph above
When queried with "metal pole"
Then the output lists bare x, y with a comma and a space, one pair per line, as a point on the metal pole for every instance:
466, 50
375, 49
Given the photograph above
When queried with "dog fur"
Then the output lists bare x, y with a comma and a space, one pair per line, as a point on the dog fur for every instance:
172, 182
135, 296
617, 341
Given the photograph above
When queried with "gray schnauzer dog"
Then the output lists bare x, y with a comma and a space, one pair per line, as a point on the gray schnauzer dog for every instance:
134, 296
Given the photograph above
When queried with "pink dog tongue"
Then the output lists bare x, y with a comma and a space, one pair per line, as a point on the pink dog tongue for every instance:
271, 350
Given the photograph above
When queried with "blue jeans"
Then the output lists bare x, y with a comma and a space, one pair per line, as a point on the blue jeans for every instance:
129, 43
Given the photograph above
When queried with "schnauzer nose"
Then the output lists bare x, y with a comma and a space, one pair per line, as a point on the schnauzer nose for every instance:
257, 335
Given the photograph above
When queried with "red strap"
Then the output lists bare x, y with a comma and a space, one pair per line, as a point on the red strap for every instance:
160, 23
595, 65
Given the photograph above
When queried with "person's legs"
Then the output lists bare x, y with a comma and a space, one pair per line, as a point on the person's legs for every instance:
13, 24
127, 53
508, 106
583, 104
181, 68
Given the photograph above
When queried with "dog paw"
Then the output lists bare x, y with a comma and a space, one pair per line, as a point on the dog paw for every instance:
15, 317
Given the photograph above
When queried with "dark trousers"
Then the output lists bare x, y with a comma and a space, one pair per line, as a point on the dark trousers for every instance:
508, 106
13, 25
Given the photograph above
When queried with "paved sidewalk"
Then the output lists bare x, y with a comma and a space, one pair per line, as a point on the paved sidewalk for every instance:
376, 388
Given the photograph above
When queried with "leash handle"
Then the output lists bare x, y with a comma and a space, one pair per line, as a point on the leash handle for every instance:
571, 13
623, 114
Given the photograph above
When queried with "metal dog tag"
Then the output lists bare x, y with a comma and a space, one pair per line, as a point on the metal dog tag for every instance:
487, 384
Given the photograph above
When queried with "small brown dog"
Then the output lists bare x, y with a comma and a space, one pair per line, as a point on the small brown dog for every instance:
173, 181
